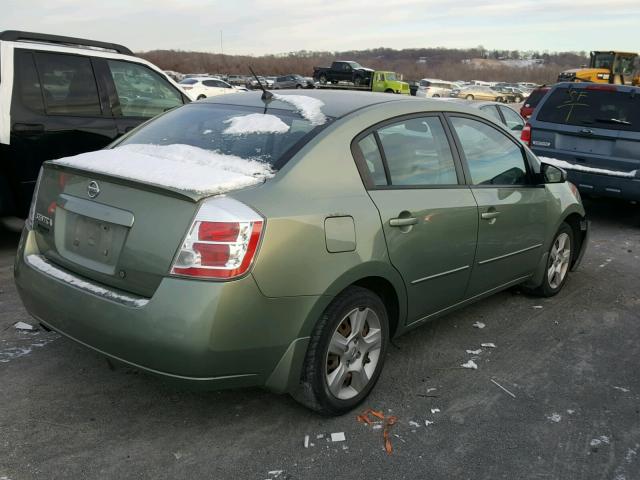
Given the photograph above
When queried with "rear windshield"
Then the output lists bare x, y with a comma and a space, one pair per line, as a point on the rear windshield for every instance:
611, 110
232, 130
534, 98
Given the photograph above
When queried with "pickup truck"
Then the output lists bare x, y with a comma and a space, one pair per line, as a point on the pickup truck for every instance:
343, 71
387, 82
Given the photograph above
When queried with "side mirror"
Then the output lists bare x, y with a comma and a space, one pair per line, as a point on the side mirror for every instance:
553, 174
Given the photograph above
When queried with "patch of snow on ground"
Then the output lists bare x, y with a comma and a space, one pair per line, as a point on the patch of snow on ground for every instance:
475, 352
488, 345
413, 424
582, 168
470, 364
23, 326
39, 263
309, 107
622, 389
427, 423
555, 417
479, 325
176, 166
24, 346
602, 440
255, 123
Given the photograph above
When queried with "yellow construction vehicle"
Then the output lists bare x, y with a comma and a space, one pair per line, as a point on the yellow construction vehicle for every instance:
606, 67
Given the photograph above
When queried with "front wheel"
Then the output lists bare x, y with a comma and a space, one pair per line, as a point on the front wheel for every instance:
323, 79
346, 352
357, 81
558, 263
469, 97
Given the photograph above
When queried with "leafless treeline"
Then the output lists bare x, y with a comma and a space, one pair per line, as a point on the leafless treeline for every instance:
440, 63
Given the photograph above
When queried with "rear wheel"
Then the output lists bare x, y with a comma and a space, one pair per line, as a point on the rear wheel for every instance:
435, 95
469, 97
346, 352
558, 263
357, 81
499, 100
323, 79
200, 97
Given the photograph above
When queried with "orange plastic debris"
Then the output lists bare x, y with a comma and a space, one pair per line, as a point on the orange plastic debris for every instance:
365, 417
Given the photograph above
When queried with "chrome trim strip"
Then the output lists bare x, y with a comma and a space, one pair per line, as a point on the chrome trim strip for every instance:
431, 277
470, 299
509, 254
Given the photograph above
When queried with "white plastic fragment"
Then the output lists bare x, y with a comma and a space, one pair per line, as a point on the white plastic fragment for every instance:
555, 417
377, 426
537, 307
502, 388
275, 473
23, 326
479, 325
413, 424
475, 352
470, 364
427, 423
306, 441
432, 389
622, 389
601, 440
488, 345
435, 410
338, 437
570, 411
319, 436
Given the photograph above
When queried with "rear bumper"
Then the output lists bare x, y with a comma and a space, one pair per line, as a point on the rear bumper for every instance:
225, 334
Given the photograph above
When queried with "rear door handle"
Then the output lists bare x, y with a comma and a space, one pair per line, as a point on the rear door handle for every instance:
28, 127
490, 215
403, 222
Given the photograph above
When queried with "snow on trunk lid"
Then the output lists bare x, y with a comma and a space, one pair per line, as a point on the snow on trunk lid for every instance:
183, 167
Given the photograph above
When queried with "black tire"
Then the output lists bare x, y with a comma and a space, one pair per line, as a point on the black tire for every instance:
388, 90
436, 95
518, 99
298, 86
323, 79
315, 393
499, 100
200, 97
546, 289
469, 97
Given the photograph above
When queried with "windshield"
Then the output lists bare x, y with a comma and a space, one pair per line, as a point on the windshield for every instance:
597, 108
603, 60
228, 129
391, 76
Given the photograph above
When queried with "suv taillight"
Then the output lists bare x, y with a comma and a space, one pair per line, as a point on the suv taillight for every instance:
525, 135
222, 241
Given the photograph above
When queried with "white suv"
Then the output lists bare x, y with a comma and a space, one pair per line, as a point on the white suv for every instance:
431, 87
203, 87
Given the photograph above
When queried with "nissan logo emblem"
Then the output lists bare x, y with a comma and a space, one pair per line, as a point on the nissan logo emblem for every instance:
93, 190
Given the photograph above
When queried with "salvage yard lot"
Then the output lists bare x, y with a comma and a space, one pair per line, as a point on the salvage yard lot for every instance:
571, 364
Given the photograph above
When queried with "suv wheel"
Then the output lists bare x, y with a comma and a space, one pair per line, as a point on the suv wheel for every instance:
323, 79
346, 352
558, 263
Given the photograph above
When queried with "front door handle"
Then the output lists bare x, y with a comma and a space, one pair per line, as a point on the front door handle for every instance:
490, 215
403, 222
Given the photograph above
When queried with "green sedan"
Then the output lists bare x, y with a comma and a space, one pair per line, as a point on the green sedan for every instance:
283, 240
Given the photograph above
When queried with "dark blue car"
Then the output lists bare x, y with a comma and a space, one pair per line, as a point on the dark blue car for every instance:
593, 132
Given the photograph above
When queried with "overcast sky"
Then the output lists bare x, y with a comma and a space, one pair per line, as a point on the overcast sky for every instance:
276, 26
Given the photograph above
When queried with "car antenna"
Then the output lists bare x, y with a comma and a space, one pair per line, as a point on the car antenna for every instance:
266, 95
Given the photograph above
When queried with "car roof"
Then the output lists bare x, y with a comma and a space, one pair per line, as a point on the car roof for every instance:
337, 103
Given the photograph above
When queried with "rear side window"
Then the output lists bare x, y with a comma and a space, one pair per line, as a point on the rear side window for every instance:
141, 91
514, 121
417, 152
27, 84
492, 111
535, 97
68, 84
492, 158
597, 108
373, 159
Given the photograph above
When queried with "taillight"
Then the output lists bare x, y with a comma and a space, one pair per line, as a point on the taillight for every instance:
222, 241
525, 135
32, 208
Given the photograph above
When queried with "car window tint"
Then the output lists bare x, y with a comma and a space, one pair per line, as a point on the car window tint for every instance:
492, 111
188, 81
584, 107
418, 152
492, 158
27, 85
68, 84
142, 92
514, 121
210, 83
373, 159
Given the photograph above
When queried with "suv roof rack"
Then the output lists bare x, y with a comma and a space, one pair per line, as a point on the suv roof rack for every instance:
16, 35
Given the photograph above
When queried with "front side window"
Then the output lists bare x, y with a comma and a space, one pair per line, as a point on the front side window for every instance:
492, 111
492, 157
68, 84
142, 92
418, 152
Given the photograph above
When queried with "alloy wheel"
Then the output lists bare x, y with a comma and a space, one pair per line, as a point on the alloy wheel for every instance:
353, 353
559, 259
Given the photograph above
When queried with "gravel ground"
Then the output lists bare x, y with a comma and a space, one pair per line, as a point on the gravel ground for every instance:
571, 362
